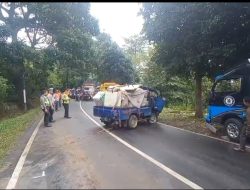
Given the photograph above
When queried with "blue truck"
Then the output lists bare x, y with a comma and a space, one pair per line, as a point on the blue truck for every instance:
129, 117
226, 110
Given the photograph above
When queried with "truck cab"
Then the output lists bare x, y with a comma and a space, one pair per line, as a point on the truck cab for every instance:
226, 110
106, 85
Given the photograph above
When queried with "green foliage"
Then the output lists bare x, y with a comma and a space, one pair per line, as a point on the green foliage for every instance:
64, 29
3, 89
112, 63
198, 39
177, 90
136, 48
13, 127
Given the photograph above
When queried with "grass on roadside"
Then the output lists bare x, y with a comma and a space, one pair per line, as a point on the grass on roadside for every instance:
184, 119
12, 128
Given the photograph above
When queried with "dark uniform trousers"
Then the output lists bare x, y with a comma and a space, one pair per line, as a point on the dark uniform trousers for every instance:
51, 111
46, 116
243, 135
66, 108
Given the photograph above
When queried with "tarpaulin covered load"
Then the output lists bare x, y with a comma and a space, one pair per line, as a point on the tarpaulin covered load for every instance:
99, 98
122, 96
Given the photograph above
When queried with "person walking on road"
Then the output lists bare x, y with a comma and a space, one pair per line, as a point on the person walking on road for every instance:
45, 105
245, 128
66, 100
52, 106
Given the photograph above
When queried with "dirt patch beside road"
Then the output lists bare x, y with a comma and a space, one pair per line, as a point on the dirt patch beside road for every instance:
186, 120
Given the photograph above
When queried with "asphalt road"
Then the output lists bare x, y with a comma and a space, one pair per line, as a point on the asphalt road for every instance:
76, 153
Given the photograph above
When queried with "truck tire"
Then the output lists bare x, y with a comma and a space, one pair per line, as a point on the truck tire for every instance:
107, 123
233, 128
152, 119
132, 121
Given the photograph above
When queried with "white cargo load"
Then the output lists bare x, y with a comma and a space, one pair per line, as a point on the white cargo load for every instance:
122, 97
99, 98
112, 99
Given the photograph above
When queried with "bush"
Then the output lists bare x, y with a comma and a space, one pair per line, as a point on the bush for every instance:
3, 89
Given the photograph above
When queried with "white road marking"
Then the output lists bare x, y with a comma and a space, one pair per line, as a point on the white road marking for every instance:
248, 147
43, 175
157, 163
20, 163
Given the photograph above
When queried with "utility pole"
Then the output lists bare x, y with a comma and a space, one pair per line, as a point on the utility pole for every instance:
24, 93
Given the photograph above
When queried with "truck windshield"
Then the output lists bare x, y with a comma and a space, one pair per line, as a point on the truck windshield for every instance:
230, 85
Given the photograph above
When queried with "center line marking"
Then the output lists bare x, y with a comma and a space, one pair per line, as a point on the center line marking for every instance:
144, 155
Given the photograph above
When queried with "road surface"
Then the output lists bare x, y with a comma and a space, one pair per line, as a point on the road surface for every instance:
77, 153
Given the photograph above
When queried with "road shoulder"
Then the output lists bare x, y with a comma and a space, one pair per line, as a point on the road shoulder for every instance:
13, 155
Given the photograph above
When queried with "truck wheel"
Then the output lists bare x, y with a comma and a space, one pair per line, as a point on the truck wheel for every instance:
233, 128
107, 123
132, 121
153, 119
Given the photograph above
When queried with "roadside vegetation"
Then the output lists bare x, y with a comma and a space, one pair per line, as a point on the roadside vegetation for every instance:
185, 119
180, 50
186, 46
41, 54
12, 128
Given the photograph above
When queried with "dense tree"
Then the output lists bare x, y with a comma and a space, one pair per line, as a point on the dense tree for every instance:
198, 39
136, 48
112, 64
63, 30
52, 45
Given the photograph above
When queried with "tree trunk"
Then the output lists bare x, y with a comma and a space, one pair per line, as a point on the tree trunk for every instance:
14, 36
14, 29
198, 96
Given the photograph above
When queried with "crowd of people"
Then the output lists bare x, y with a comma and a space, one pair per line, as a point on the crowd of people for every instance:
51, 101
81, 93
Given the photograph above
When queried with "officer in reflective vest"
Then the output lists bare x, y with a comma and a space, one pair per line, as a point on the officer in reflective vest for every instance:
66, 99
45, 105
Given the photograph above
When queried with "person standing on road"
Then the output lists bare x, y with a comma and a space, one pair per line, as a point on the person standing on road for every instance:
45, 105
56, 99
66, 99
52, 106
60, 98
245, 128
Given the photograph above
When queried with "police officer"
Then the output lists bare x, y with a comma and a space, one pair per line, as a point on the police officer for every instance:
52, 105
45, 106
66, 99
245, 128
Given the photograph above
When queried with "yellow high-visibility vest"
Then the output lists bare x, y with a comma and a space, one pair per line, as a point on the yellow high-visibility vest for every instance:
46, 101
65, 99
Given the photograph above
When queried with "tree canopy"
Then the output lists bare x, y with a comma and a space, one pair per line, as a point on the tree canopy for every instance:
198, 39
54, 45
